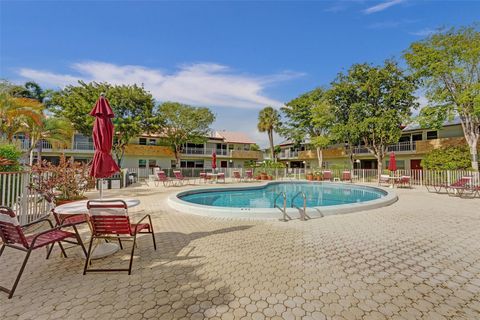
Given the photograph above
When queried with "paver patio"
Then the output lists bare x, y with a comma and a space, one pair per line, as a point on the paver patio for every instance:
416, 259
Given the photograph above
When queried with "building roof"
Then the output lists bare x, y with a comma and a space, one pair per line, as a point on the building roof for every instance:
233, 137
416, 126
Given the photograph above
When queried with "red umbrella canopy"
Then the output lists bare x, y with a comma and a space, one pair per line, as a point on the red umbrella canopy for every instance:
392, 164
103, 165
214, 161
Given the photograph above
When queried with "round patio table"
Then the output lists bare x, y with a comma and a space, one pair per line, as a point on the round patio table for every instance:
80, 207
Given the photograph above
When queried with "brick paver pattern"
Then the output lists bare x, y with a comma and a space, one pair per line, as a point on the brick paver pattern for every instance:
416, 259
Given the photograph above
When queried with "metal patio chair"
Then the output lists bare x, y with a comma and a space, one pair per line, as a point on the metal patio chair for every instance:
13, 236
109, 220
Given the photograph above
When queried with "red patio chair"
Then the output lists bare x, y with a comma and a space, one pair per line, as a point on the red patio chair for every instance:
71, 220
162, 177
13, 236
347, 176
459, 186
404, 181
109, 220
327, 175
221, 176
249, 175
237, 176
179, 178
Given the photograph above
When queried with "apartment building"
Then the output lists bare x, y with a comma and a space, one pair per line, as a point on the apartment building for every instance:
233, 150
414, 143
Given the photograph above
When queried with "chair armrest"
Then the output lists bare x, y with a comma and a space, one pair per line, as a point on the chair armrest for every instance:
38, 221
146, 216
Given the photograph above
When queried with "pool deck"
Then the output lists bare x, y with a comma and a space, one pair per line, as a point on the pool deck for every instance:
418, 258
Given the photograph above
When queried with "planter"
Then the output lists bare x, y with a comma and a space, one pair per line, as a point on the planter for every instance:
310, 177
269, 178
318, 178
59, 202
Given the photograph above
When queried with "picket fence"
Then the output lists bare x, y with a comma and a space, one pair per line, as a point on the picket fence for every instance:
30, 206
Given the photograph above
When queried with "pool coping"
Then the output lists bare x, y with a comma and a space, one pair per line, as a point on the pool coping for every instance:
275, 213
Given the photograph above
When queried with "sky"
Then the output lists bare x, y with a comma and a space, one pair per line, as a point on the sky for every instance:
232, 56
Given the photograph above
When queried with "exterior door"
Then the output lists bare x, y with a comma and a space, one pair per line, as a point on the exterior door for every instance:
416, 164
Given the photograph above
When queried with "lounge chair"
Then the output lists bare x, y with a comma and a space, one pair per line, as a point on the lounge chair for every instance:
472, 191
384, 179
327, 175
459, 187
237, 176
404, 181
13, 236
346, 176
221, 176
179, 178
163, 178
249, 175
109, 220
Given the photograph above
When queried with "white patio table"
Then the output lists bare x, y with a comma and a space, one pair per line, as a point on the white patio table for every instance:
101, 250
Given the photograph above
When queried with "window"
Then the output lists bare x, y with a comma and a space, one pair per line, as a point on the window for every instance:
417, 137
152, 142
432, 135
142, 141
191, 164
152, 163
142, 163
404, 139
223, 164
173, 164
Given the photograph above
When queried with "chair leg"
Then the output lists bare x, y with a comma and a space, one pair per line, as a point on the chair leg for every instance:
87, 258
120, 243
50, 249
80, 241
153, 233
1, 250
63, 249
131, 256
10, 295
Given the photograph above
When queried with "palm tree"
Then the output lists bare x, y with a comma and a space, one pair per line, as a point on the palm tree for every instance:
269, 121
16, 112
56, 131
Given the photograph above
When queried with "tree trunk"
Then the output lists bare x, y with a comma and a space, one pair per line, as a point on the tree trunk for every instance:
471, 132
320, 157
272, 151
474, 153
176, 151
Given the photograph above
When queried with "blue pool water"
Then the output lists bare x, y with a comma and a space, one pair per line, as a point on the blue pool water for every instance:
317, 194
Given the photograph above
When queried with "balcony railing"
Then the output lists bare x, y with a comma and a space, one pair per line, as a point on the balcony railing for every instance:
287, 154
406, 146
204, 151
45, 145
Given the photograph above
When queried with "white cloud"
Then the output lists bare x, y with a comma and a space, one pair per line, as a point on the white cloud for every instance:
382, 6
206, 84
423, 32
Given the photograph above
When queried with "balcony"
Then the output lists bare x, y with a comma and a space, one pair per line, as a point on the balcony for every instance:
78, 146
204, 151
149, 150
406, 146
426, 146
288, 154
333, 152
246, 154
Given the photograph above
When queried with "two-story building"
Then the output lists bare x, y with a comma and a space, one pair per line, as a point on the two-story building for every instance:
233, 149
414, 143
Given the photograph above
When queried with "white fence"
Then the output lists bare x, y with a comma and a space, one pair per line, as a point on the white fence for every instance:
417, 177
15, 193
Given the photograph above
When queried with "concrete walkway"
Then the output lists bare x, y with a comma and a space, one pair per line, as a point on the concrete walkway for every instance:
416, 259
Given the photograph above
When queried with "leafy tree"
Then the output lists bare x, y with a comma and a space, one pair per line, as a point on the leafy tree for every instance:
182, 123
309, 117
448, 158
372, 102
133, 107
254, 147
57, 131
16, 111
269, 121
448, 63
9, 157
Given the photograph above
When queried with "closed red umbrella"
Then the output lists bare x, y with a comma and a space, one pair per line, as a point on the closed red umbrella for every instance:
392, 164
214, 161
103, 165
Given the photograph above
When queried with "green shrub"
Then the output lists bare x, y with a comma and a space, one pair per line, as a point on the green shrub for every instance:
9, 154
448, 158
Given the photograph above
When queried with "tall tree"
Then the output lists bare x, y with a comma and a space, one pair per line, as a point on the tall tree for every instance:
133, 107
16, 111
56, 131
380, 101
309, 118
269, 121
182, 123
448, 63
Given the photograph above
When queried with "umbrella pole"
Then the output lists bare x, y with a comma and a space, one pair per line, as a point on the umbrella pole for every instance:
101, 188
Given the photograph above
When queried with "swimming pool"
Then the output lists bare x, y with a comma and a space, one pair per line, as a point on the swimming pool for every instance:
322, 198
